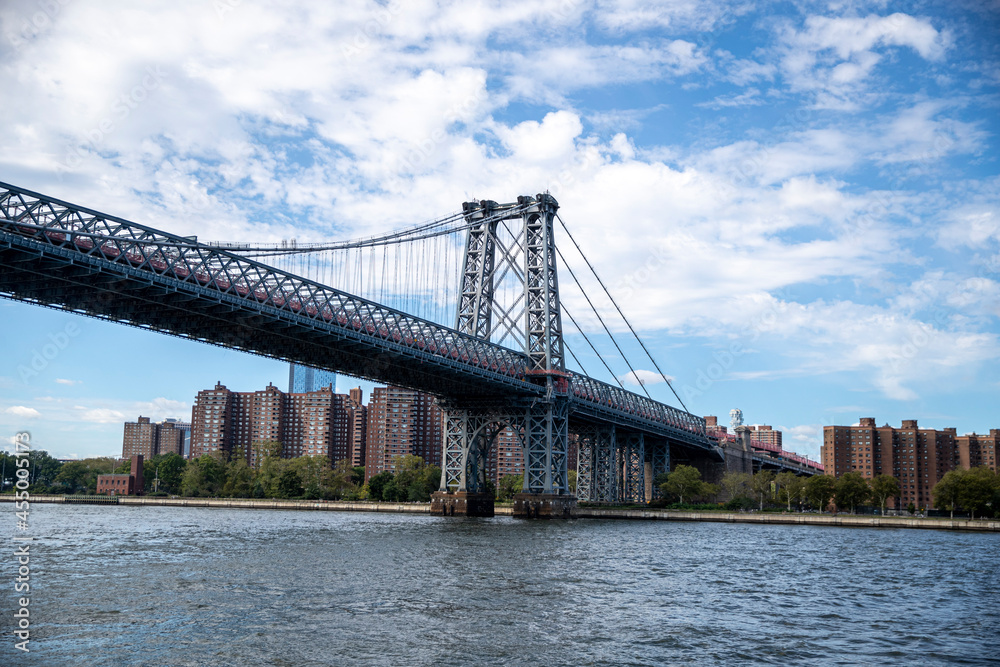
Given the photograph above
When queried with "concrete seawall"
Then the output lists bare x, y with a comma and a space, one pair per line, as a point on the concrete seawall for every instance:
841, 520
845, 520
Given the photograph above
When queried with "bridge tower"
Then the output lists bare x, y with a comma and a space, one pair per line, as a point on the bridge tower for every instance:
536, 322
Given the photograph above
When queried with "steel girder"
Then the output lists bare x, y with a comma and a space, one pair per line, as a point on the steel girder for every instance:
475, 307
469, 437
633, 486
604, 477
69, 257
543, 335
585, 462
659, 458
546, 454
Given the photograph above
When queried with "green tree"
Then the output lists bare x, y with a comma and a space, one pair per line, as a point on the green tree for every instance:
791, 487
289, 482
736, 485
684, 480
883, 488
819, 491
376, 485
947, 492
81, 476
239, 479
852, 489
204, 476
761, 485
571, 481
509, 485
358, 475
170, 470
977, 487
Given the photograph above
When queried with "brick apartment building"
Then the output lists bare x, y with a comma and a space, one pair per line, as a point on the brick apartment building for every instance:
150, 438
317, 423
401, 421
917, 457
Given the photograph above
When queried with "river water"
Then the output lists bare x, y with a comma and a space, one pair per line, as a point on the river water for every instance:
117, 585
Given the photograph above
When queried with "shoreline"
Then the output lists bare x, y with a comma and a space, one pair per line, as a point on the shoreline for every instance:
838, 520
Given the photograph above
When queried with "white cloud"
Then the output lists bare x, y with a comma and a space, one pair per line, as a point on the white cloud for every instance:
102, 416
643, 377
836, 56
23, 412
68, 382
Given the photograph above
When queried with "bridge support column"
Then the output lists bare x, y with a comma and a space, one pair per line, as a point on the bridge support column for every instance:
546, 457
468, 436
633, 468
462, 503
659, 459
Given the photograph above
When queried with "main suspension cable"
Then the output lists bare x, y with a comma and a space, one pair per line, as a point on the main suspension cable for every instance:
629, 324
601, 320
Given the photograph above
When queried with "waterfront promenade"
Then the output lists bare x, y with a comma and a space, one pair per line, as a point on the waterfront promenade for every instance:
645, 514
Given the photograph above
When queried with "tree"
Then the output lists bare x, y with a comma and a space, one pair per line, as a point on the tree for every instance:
976, 489
571, 481
761, 485
204, 476
377, 484
948, 490
508, 486
790, 488
685, 480
852, 489
289, 483
81, 476
819, 490
239, 479
883, 488
737, 484
170, 469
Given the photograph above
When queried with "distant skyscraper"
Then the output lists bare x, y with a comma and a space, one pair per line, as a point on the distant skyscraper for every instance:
303, 379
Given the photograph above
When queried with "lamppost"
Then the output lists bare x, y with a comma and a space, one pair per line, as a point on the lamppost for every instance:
156, 482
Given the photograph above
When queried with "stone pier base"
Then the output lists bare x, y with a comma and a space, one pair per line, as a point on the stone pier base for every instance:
544, 506
461, 503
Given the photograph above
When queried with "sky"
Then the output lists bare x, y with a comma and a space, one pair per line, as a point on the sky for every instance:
797, 205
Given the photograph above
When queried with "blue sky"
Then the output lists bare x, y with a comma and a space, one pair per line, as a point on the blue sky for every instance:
796, 204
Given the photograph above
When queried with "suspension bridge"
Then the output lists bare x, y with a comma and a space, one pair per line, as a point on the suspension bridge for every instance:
489, 345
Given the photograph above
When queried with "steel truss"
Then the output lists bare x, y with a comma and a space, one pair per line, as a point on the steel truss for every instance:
66, 256
659, 458
633, 470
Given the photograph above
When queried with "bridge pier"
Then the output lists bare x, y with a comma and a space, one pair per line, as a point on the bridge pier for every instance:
462, 503
543, 506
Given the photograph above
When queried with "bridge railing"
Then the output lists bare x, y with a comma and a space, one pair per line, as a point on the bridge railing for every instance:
589, 390
183, 259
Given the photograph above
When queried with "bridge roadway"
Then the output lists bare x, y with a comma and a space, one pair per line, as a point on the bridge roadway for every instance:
64, 256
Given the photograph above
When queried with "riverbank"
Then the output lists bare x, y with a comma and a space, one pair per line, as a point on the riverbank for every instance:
637, 514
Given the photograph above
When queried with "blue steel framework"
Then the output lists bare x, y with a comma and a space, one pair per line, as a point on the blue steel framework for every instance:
64, 256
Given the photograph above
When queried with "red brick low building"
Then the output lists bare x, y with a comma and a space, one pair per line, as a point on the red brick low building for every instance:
123, 485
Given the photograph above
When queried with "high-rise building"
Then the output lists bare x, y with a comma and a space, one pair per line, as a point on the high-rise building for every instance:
149, 439
357, 427
317, 423
303, 379
917, 457
764, 437
978, 450
401, 421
